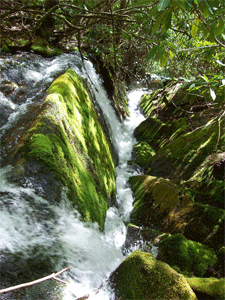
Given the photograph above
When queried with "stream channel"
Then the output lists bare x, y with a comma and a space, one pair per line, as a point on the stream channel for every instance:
38, 237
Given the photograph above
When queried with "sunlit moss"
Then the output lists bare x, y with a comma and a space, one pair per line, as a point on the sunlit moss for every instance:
211, 287
69, 140
170, 208
186, 256
41, 46
141, 276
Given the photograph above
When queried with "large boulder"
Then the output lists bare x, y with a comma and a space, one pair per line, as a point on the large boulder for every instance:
182, 139
186, 256
161, 204
141, 276
59, 145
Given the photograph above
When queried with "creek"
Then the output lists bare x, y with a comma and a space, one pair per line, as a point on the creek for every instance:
38, 237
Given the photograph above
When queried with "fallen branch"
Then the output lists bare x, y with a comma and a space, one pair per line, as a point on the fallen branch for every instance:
52, 276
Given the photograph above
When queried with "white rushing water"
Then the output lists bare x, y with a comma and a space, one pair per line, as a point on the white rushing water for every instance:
28, 221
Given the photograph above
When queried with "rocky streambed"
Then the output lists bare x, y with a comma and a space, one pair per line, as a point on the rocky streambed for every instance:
135, 218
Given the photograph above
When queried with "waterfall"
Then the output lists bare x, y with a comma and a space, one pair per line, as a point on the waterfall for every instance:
34, 230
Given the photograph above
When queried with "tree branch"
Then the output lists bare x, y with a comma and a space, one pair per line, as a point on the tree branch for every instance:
37, 25
52, 276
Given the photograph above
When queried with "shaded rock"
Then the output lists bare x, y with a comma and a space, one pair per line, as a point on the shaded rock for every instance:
162, 205
218, 270
141, 276
153, 131
186, 256
179, 156
208, 288
142, 238
183, 139
207, 183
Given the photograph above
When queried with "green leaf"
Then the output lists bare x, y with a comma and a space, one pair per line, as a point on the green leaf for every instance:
221, 26
152, 52
172, 46
171, 54
194, 28
188, 4
213, 94
167, 20
164, 59
206, 79
158, 21
179, 4
192, 86
218, 28
153, 12
160, 52
163, 4
205, 8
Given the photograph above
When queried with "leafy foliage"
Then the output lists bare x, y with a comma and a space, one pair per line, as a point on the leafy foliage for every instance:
181, 38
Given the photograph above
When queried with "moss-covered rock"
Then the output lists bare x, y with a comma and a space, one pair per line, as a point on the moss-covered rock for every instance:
141, 276
63, 144
163, 205
38, 45
41, 46
186, 256
161, 101
208, 288
153, 131
218, 270
183, 139
179, 153
207, 183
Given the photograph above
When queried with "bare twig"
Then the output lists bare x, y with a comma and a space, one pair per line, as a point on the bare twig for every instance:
52, 276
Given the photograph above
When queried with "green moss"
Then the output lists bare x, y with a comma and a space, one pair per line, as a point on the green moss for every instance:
155, 196
207, 182
154, 132
210, 286
143, 154
160, 199
150, 102
41, 46
180, 154
69, 140
185, 255
182, 139
5, 48
141, 276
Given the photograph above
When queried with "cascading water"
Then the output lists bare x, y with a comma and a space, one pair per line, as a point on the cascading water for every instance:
34, 231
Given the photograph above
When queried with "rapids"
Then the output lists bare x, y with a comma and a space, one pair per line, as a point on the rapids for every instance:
39, 237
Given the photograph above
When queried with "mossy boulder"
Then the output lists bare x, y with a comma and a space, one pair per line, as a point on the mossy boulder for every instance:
186, 256
161, 101
62, 144
41, 46
207, 183
183, 139
37, 45
153, 131
162, 205
141, 276
208, 288
179, 153
218, 270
